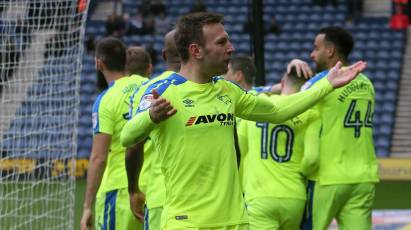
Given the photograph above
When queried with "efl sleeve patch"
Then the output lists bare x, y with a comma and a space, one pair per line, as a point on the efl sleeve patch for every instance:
145, 102
94, 118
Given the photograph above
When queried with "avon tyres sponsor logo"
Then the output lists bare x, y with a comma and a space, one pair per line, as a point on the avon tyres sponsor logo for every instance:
224, 119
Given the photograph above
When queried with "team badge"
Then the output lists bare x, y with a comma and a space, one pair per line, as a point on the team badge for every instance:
145, 102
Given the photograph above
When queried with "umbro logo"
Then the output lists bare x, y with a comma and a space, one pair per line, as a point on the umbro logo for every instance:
225, 99
188, 103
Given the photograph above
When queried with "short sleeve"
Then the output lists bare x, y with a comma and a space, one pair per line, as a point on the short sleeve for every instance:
102, 117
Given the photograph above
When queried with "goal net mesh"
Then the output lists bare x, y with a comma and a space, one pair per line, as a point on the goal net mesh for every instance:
40, 62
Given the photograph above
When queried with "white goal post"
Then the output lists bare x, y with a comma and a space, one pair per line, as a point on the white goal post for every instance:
41, 48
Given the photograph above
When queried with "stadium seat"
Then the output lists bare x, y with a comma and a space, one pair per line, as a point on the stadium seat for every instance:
387, 119
382, 152
395, 64
299, 20
392, 86
382, 142
393, 75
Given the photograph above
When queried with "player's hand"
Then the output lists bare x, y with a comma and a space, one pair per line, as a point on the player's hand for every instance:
302, 67
86, 222
339, 77
137, 200
161, 109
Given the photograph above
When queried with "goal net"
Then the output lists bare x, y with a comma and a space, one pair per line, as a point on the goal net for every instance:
40, 62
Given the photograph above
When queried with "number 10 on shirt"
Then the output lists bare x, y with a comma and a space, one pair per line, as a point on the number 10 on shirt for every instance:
271, 141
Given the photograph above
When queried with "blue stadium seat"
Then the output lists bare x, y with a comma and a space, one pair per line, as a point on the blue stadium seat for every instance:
382, 152
360, 36
372, 44
393, 75
382, 64
395, 64
183, 10
83, 153
392, 86
397, 54
388, 107
379, 75
85, 120
383, 53
382, 141
385, 130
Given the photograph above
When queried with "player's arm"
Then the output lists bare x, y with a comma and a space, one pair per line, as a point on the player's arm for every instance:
311, 158
139, 127
281, 109
287, 107
134, 162
102, 134
95, 171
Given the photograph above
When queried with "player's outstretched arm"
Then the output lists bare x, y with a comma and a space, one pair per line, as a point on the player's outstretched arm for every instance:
277, 110
134, 163
280, 110
138, 128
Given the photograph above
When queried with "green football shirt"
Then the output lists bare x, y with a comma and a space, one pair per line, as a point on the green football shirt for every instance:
346, 147
110, 113
196, 145
274, 152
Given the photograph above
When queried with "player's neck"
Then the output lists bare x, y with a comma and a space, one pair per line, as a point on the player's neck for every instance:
334, 62
111, 76
194, 73
173, 66
246, 86
288, 91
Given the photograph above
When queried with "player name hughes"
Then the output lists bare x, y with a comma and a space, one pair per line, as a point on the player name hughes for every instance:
224, 119
354, 87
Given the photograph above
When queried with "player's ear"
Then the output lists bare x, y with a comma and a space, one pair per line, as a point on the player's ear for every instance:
238, 76
163, 53
332, 50
99, 64
195, 51
149, 70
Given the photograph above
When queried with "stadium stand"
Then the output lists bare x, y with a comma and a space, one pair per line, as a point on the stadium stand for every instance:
299, 21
